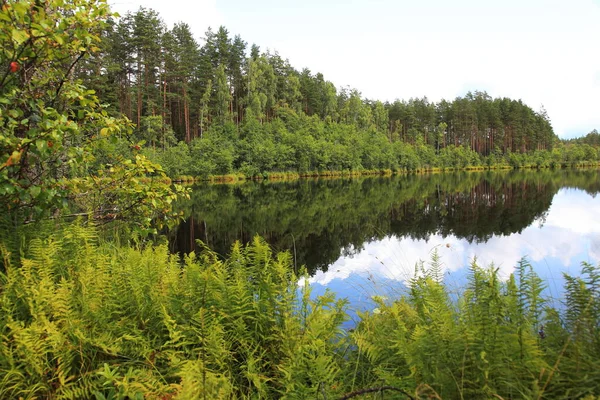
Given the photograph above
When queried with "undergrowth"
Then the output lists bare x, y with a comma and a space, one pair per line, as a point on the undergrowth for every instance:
81, 317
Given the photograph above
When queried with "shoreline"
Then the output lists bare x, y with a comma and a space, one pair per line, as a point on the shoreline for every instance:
292, 176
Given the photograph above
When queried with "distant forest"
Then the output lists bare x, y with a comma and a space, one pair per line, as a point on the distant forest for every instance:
224, 107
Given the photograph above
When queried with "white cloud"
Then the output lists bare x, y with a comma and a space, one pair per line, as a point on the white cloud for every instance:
577, 214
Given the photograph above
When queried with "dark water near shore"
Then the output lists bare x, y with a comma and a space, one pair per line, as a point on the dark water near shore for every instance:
364, 236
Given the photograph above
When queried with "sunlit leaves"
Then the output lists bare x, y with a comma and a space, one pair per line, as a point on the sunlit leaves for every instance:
53, 126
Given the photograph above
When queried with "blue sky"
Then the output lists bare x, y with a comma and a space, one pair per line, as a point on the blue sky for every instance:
544, 52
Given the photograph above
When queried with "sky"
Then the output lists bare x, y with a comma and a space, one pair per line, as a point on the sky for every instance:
545, 52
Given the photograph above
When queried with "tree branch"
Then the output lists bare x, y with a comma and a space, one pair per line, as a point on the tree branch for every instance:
62, 82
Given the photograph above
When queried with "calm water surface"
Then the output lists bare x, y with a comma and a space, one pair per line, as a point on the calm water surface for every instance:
363, 237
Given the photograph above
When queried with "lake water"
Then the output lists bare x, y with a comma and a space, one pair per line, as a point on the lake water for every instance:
361, 237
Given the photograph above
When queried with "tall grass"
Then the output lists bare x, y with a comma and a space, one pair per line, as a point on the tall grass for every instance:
81, 317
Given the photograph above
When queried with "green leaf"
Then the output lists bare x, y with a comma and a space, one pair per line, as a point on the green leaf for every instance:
35, 191
41, 144
7, 188
19, 36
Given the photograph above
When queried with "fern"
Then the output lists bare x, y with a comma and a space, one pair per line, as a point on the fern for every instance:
81, 317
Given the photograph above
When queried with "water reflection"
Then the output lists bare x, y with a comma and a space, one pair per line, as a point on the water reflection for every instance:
569, 234
401, 219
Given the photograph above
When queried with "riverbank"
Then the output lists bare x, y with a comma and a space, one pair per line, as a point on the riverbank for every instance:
290, 175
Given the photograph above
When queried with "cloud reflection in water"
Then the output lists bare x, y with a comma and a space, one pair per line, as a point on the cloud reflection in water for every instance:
569, 235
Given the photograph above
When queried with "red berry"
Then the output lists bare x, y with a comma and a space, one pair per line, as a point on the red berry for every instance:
14, 66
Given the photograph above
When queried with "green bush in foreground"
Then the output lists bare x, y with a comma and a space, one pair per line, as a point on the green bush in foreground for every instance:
82, 318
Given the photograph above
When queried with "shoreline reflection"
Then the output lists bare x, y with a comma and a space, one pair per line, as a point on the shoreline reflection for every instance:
323, 221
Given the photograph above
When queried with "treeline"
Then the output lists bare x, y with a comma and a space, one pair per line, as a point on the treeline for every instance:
591, 139
236, 108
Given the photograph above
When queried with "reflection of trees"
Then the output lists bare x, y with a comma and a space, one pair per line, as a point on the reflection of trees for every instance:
329, 217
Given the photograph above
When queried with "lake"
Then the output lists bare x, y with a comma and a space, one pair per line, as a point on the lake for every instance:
361, 237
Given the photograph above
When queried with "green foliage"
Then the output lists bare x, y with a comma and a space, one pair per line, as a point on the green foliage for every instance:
175, 160
49, 121
211, 155
576, 372
487, 343
459, 157
60, 147
592, 139
81, 318
84, 318
154, 131
296, 143
135, 191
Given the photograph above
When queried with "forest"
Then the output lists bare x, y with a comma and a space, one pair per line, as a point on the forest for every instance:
98, 114
216, 107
